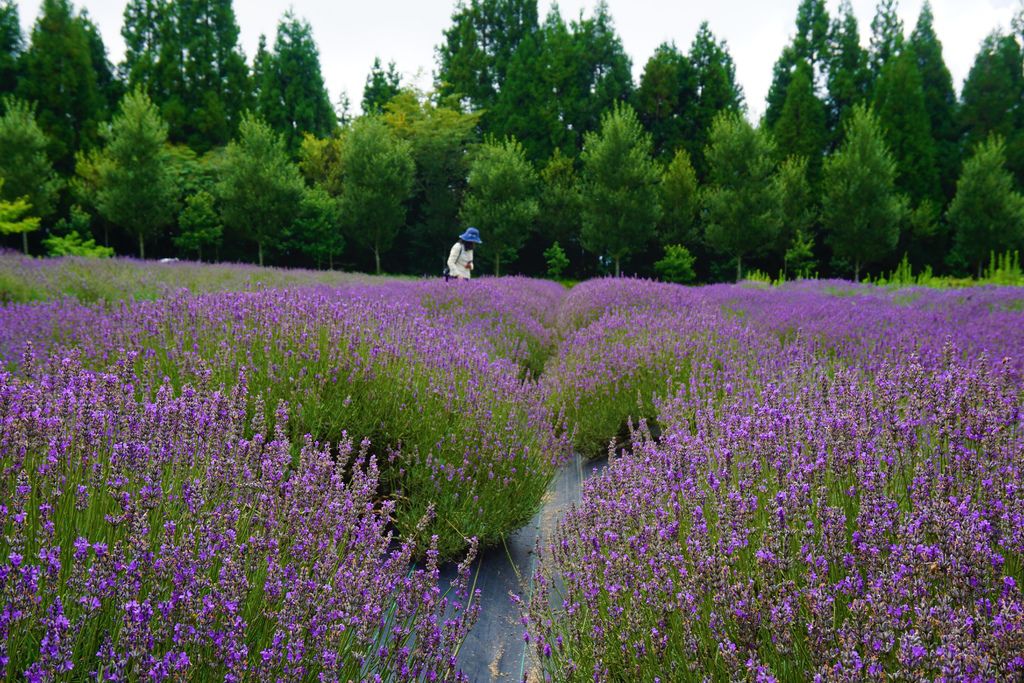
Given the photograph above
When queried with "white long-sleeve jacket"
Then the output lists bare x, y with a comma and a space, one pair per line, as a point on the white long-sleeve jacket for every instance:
460, 261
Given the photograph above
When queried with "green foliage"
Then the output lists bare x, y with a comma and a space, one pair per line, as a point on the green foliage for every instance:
108, 85
502, 198
556, 260
849, 77
740, 203
381, 87
886, 36
136, 184
16, 218
561, 202
60, 78
666, 98
11, 45
260, 189
798, 205
899, 103
810, 45
676, 265
801, 127
717, 88
439, 137
377, 170
24, 163
291, 94
72, 244
799, 258
316, 231
200, 225
619, 187
861, 210
987, 214
939, 98
680, 200
604, 70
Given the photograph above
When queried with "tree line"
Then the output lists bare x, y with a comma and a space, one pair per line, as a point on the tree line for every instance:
534, 132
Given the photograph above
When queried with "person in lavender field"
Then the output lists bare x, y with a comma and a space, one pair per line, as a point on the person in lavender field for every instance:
460, 258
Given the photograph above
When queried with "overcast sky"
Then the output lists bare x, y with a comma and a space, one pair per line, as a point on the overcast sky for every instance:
350, 34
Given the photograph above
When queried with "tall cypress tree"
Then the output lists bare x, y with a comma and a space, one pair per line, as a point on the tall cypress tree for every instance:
990, 101
717, 90
61, 80
939, 98
292, 97
810, 44
665, 98
800, 129
900, 106
11, 45
847, 65
141, 31
380, 87
604, 70
886, 36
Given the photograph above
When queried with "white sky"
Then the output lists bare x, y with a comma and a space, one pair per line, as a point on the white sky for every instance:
350, 34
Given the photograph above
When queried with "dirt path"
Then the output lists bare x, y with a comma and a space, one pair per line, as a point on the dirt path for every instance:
495, 650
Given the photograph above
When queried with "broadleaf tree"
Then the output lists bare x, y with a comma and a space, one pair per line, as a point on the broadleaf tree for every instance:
24, 160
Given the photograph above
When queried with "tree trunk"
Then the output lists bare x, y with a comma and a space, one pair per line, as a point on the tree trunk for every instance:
739, 268
497, 265
199, 250
856, 270
330, 262
24, 242
106, 235
142, 247
979, 268
617, 266
259, 248
376, 258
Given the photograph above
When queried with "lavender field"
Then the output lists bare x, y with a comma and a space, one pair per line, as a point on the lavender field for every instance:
262, 479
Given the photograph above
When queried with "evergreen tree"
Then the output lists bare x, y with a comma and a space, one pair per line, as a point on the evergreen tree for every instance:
740, 204
603, 69
24, 163
200, 225
381, 87
315, 232
109, 87
502, 198
801, 128
473, 60
798, 207
11, 45
16, 218
991, 97
561, 204
61, 80
861, 210
848, 74
782, 76
619, 187
810, 45
525, 107
141, 30
439, 137
666, 97
899, 104
717, 91
136, 184
377, 175
260, 189
292, 96
886, 36
987, 214
939, 98
679, 202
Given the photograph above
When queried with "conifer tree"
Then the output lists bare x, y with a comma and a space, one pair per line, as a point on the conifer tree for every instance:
61, 80
987, 214
502, 198
108, 85
377, 175
260, 190
11, 46
561, 203
381, 87
740, 204
939, 98
679, 196
603, 68
292, 96
137, 189
24, 162
798, 206
666, 97
899, 104
810, 45
619, 187
861, 209
848, 74
886, 36
717, 88
801, 128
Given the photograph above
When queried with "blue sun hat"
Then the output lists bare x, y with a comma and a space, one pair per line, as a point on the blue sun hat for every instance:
471, 235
